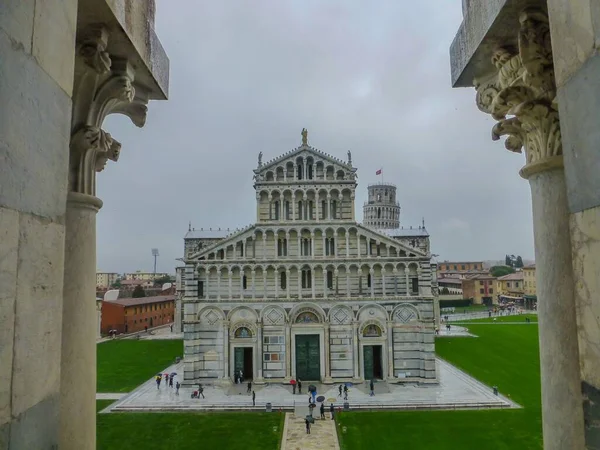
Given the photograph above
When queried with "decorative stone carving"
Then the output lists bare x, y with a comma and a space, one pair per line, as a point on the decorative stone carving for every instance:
406, 314
521, 95
242, 330
102, 86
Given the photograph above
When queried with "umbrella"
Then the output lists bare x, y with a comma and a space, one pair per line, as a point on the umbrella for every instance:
331, 400
292, 381
173, 373
320, 398
348, 384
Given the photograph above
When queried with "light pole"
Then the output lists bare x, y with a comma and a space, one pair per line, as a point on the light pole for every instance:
155, 254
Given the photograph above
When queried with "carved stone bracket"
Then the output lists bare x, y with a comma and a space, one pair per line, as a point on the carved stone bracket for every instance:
103, 85
521, 95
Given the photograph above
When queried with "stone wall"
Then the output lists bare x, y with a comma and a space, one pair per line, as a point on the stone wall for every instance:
36, 79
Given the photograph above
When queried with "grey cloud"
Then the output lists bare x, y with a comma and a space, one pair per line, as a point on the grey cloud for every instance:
248, 76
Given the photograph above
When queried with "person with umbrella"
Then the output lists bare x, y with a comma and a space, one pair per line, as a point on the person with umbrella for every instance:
322, 411
293, 383
331, 410
340, 390
345, 392
299, 386
171, 381
313, 391
158, 378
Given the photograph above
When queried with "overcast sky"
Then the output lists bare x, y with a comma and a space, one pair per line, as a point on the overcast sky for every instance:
370, 77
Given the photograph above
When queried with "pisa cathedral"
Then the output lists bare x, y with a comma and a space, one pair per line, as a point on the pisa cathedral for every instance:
306, 292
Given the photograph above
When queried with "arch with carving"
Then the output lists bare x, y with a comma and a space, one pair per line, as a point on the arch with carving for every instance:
236, 330
307, 308
372, 311
244, 313
372, 328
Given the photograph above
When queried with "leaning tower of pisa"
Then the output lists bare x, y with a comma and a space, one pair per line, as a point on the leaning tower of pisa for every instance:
382, 211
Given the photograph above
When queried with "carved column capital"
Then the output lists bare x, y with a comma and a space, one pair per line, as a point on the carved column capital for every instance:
521, 95
103, 85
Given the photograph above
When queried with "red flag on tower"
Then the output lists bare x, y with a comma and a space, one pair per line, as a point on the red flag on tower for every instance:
379, 172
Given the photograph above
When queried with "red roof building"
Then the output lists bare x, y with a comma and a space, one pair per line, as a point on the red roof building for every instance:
128, 315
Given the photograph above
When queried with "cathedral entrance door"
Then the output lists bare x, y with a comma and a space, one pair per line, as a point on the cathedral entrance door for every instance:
373, 366
308, 357
242, 360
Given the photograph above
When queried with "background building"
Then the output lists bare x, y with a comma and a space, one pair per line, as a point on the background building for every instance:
104, 280
128, 315
530, 285
511, 287
481, 288
306, 292
146, 276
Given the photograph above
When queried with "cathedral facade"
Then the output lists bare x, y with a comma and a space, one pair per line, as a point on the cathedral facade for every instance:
306, 292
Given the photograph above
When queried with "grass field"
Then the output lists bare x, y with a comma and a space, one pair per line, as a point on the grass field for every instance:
125, 364
504, 355
188, 431
505, 319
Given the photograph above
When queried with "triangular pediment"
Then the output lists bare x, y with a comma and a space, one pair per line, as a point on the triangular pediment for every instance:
233, 237
305, 151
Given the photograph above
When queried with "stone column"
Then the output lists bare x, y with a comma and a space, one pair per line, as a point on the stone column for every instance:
347, 244
312, 243
299, 244
395, 272
264, 271
288, 351
287, 283
358, 245
406, 273
101, 86
229, 283
78, 359
257, 207
264, 240
521, 96
253, 283
317, 207
372, 273
259, 352
348, 282
226, 350
295, 172
336, 273
207, 275
324, 282
313, 280
352, 203
287, 244
325, 248
390, 344
329, 216
270, 200
326, 349
355, 349
383, 281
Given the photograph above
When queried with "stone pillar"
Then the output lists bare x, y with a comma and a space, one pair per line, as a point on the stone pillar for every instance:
287, 244
264, 241
312, 243
259, 352
229, 283
329, 216
347, 244
226, 375
295, 172
336, 273
358, 245
395, 272
352, 203
348, 282
356, 358
78, 359
299, 244
406, 273
313, 283
390, 345
102, 85
372, 273
383, 281
288, 350
521, 95
253, 283
324, 282
326, 349
287, 283
257, 209
317, 207
265, 292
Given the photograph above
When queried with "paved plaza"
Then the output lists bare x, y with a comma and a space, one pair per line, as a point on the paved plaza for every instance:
456, 390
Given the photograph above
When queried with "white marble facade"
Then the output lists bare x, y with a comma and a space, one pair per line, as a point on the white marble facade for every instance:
306, 291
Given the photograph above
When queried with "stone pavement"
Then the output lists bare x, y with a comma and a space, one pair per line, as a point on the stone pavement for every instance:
456, 390
322, 433
455, 331
109, 396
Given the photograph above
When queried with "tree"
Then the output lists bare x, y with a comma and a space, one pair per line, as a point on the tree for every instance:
444, 291
116, 284
138, 292
519, 262
500, 271
507, 261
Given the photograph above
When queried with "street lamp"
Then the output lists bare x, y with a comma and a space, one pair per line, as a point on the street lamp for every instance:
155, 254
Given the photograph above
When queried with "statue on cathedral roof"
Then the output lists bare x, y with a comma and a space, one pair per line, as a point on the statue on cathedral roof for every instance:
304, 136
349, 157
260, 159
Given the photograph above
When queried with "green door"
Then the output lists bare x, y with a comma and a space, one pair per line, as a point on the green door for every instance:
238, 360
308, 357
368, 358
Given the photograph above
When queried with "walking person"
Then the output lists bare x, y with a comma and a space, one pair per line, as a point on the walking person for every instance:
171, 382
340, 390
249, 387
201, 391
323, 411
345, 392
299, 386
294, 389
241, 376
177, 386
331, 410
307, 422
158, 381
372, 388
253, 398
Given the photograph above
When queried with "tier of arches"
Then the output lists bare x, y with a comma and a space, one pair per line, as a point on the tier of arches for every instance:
338, 314
307, 241
306, 168
316, 280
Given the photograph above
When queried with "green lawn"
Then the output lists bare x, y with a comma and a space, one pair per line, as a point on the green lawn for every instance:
506, 356
123, 365
188, 431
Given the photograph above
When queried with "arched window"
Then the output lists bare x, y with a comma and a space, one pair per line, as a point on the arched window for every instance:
330, 279
379, 213
306, 279
243, 332
244, 282
306, 247
276, 205
282, 247
307, 317
287, 210
300, 210
324, 210
334, 209
310, 171
300, 170
310, 210
242, 249
283, 280
369, 280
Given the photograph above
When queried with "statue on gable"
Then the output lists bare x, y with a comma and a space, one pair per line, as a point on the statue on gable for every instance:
349, 157
304, 136
260, 159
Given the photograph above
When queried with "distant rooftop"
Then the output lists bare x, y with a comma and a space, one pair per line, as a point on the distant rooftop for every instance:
517, 276
208, 233
143, 300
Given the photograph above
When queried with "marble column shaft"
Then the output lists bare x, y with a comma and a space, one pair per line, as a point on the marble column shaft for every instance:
78, 355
